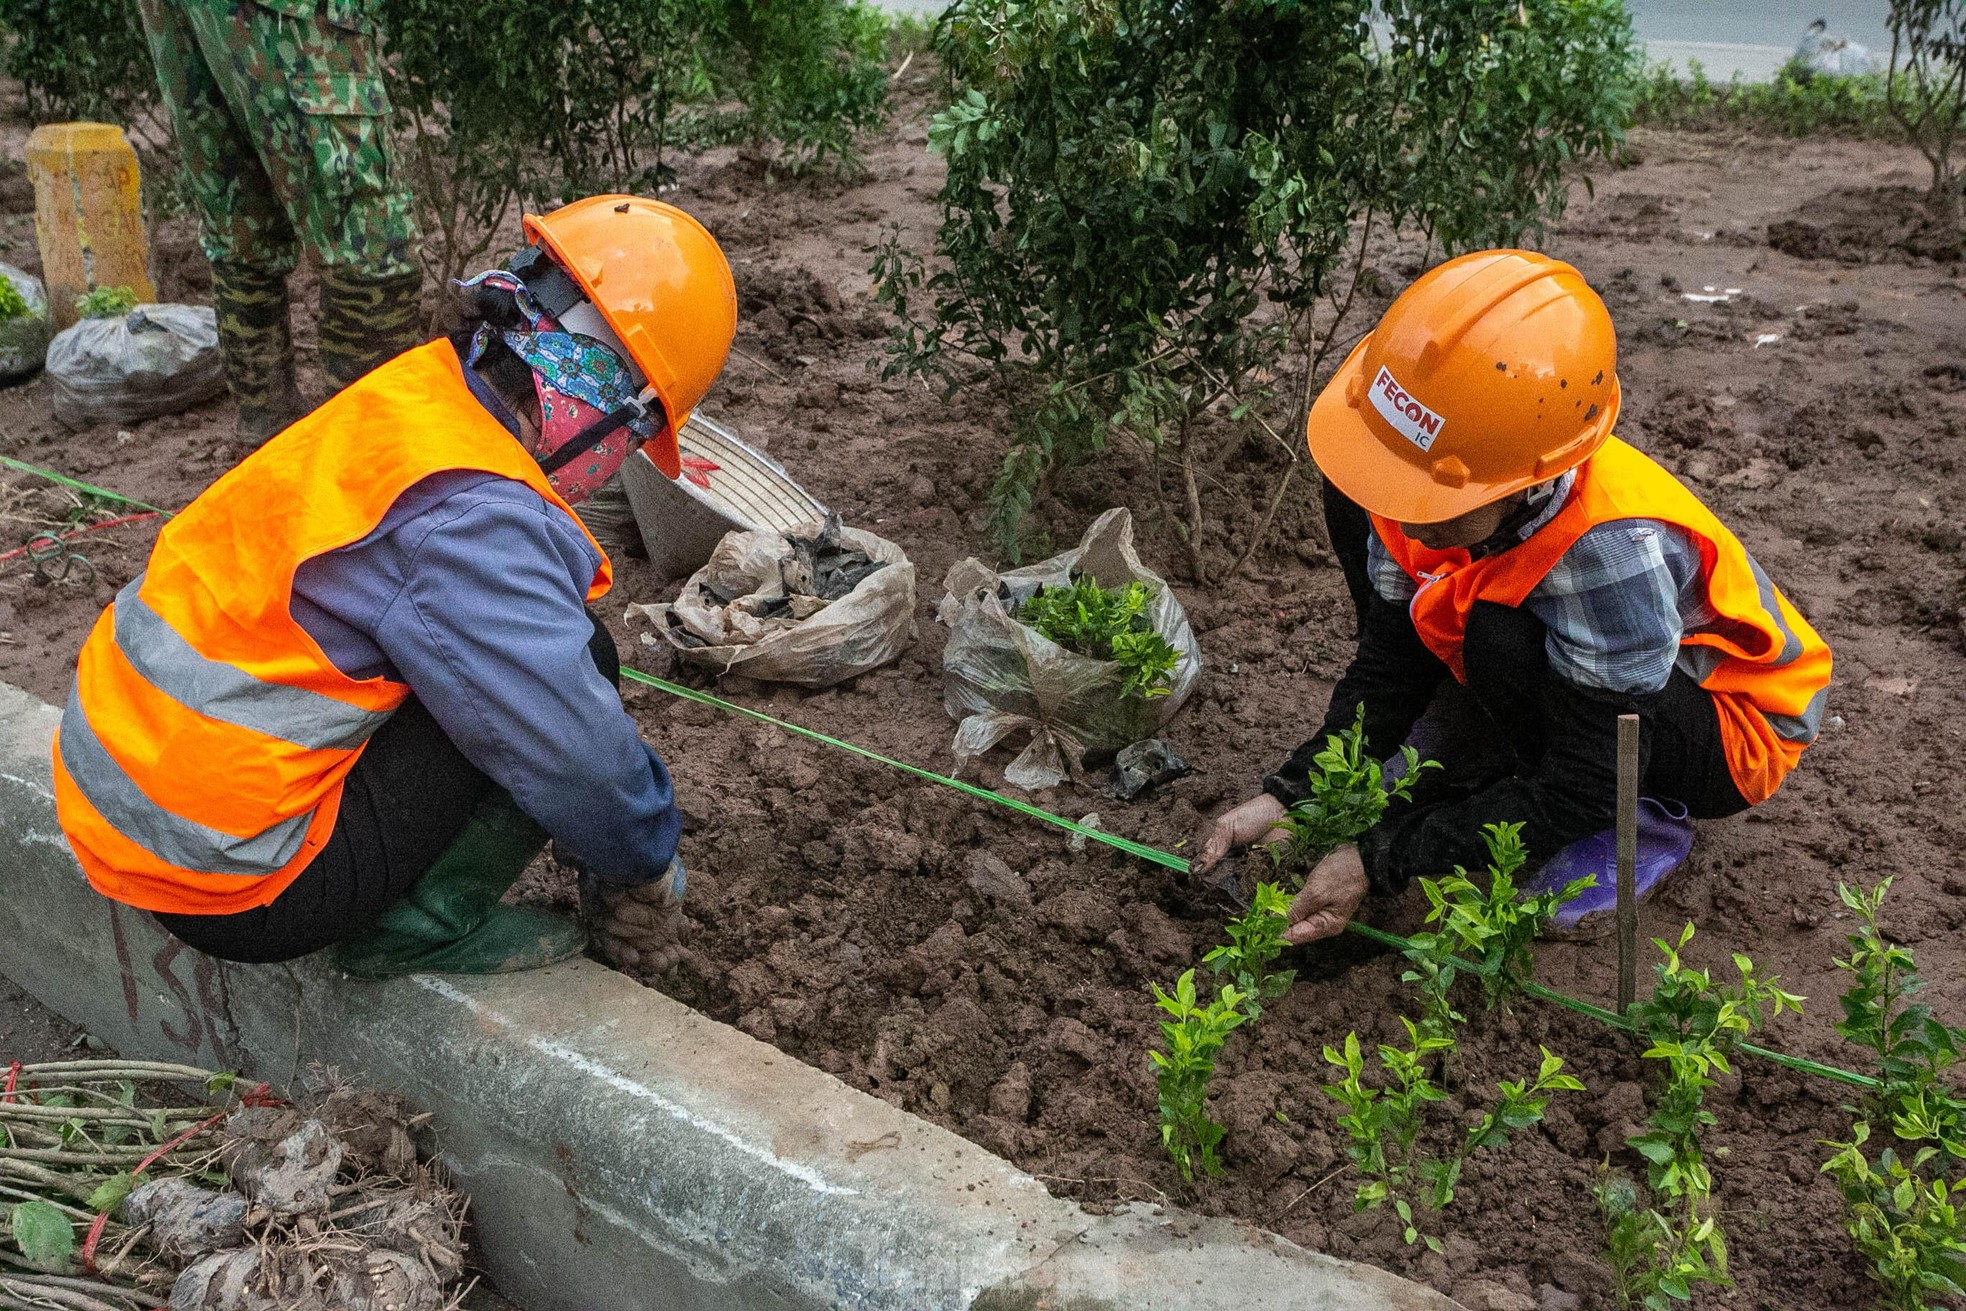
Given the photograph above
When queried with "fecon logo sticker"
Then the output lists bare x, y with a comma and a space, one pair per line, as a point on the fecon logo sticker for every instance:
1409, 418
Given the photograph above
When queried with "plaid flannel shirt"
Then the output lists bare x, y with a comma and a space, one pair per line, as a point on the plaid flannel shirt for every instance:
1616, 604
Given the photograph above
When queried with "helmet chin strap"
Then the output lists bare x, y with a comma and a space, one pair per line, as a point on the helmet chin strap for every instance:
601, 429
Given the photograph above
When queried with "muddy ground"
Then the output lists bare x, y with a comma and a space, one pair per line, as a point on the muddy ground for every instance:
964, 963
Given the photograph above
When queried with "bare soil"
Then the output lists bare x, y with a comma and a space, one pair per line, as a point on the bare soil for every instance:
837, 908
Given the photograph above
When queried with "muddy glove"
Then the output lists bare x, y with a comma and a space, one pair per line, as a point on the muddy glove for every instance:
638, 927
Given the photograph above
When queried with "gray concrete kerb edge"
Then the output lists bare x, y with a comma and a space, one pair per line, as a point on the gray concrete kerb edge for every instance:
622, 1150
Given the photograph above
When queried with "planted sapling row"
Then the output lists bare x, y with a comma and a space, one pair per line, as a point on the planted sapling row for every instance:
1902, 1206
1349, 794
1107, 623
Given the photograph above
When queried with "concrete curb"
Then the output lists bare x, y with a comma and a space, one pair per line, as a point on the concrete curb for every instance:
624, 1151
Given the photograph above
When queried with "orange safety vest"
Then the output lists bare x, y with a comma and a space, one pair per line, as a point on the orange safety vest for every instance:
1767, 669
200, 760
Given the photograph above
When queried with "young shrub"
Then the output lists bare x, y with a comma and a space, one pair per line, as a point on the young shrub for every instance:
1385, 1125
105, 302
1149, 206
1489, 927
1901, 1211
1255, 940
1348, 796
1695, 1025
1193, 1035
1926, 89
1107, 623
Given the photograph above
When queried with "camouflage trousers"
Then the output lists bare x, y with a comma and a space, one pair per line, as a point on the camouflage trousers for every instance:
282, 121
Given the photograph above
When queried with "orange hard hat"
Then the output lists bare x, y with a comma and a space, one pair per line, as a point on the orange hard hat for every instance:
661, 282
1491, 373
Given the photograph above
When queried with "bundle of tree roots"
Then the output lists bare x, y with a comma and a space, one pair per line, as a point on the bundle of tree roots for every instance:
130, 1185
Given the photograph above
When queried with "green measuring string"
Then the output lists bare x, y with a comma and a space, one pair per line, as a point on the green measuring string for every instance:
1170, 861
80, 486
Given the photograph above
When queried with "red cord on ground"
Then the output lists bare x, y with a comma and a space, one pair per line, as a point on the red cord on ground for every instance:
13, 1081
89, 528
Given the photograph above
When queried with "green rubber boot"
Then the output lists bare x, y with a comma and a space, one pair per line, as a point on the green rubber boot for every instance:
366, 321
451, 922
255, 345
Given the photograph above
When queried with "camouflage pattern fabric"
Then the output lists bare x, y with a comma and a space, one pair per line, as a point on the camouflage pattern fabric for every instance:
365, 321
282, 119
256, 347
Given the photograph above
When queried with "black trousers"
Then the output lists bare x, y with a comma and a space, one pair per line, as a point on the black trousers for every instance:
405, 801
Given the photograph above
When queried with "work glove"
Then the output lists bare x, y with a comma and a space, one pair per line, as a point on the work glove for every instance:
639, 926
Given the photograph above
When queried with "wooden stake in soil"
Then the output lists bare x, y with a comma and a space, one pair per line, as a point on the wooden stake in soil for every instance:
1627, 861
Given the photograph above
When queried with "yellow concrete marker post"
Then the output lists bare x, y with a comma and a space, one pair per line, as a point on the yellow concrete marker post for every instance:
88, 213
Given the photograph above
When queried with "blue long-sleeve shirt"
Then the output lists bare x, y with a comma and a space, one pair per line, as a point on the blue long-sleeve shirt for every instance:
472, 591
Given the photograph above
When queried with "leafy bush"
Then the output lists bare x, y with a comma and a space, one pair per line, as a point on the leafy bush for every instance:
1348, 796
1148, 204
1900, 1208
508, 102
1107, 623
1794, 102
106, 302
78, 59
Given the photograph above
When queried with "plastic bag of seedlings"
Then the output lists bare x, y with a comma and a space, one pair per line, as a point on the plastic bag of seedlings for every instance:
1003, 679
24, 324
813, 610
157, 359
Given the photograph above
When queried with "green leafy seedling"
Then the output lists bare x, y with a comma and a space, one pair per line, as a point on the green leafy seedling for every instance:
1695, 1025
106, 302
1255, 941
1348, 795
1900, 1208
1193, 1035
13, 305
1384, 1125
1107, 623
1493, 928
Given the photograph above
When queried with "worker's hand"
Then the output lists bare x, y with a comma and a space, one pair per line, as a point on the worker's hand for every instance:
1330, 895
1253, 819
641, 926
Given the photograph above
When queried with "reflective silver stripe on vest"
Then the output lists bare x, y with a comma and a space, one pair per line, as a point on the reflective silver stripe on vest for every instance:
170, 838
1791, 644
1803, 727
228, 694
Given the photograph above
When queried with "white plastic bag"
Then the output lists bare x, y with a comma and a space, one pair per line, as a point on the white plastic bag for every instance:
1001, 677
768, 631
157, 359
24, 339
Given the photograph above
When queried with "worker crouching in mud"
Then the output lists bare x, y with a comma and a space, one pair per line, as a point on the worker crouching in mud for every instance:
356, 687
1523, 578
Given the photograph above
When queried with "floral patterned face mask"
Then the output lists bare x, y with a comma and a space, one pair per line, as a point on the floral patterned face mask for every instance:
580, 380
